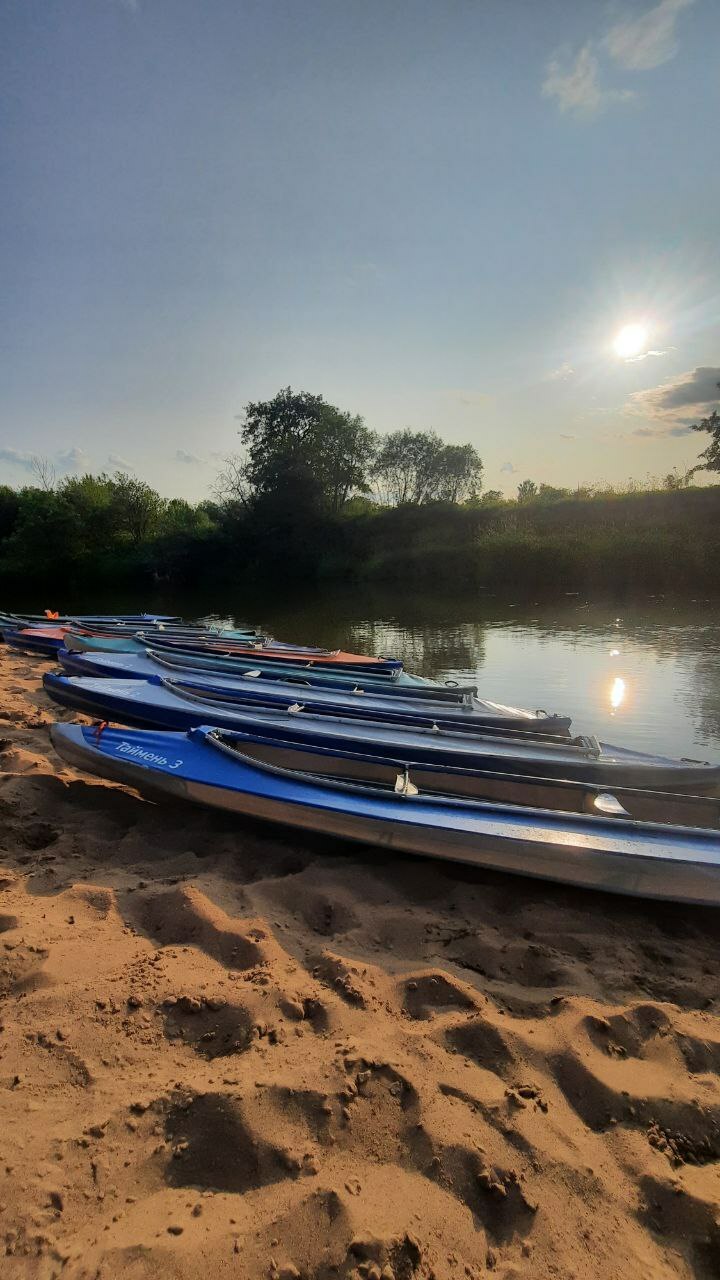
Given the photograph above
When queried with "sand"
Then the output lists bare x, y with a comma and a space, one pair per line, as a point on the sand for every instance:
228, 1051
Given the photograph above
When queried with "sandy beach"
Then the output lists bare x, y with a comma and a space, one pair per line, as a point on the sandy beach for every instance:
227, 1051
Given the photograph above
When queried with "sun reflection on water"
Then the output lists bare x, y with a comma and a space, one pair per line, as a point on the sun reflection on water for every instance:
618, 691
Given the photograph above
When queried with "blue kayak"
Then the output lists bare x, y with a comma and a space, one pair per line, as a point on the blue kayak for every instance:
171, 703
153, 661
397, 701
212, 667
427, 740
220, 770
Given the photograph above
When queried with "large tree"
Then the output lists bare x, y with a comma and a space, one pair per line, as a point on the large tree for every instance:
711, 424
416, 467
136, 508
458, 473
300, 449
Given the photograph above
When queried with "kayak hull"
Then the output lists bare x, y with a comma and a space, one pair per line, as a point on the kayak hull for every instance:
645, 859
157, 706
121, 699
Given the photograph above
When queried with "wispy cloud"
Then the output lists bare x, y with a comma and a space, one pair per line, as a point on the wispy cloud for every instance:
677, 403
640, 44
577, 80
565, 436
561, 374
17, 458
645, 355
73, 459
574, 82
662, 432
509, 468
122, 464
192, 459
467, 396
65, 460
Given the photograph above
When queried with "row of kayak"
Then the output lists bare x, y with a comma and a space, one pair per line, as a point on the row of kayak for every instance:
281, 732
48, 639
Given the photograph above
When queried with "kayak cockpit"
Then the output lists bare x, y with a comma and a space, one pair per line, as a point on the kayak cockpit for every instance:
388, 776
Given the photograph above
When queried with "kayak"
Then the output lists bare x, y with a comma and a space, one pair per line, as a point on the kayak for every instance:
287, 653
394, 698
49, 640
43, 619
460, 746
105, 642
209, 767
123, 632
172, 703
260, 657
39, 640
154, 660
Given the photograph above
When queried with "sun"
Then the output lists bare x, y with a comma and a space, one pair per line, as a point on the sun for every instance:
630, 341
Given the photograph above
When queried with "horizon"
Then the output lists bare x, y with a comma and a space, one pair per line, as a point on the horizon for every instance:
497, 222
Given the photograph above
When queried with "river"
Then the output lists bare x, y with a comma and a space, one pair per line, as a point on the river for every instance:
644, 675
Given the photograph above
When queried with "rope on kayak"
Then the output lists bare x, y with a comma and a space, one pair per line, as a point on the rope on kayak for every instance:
100, 728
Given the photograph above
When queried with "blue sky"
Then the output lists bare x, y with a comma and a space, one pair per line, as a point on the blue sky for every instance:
436, 213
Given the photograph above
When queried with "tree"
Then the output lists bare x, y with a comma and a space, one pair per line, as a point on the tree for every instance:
458, 472
405, 465
416, 467
180, 516
527, 491
89, 499
136, 508
679, 479
298, 443
711, 424
551, 493
44, 471
9, 510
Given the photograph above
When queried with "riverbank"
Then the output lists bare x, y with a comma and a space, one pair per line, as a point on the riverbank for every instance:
231, 1051
612, 544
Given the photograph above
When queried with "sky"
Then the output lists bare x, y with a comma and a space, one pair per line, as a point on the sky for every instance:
435, 213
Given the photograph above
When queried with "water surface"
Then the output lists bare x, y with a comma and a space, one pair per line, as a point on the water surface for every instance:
644, 675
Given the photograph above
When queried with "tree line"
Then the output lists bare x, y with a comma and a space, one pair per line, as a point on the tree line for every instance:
314, 493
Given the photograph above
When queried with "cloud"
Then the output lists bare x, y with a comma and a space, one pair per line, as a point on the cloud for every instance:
73, 459
361, 273
468, 397
121, 463
563, 436
192, 459
639, 44
509, 468
678, 402
644, 355
564, 371
662, 432
17, 458
574, 83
